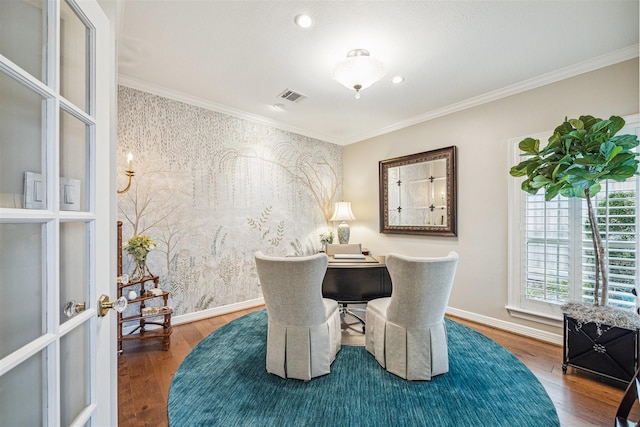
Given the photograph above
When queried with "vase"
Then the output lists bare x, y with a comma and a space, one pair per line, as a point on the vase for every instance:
140, 269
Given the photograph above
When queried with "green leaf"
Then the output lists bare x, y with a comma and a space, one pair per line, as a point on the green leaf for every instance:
568, 192
533, 167
607, 148
621, 173
554, 139
579, 192
625, 141
558, 170
539, 182
594, 189
588, 160
588, 121
622, 158
617, 123
526, 187
599, 126
563, 129
576, 134
516, 171
616, 150
576, 123
552, 191
576, 171
581, 185
530, 145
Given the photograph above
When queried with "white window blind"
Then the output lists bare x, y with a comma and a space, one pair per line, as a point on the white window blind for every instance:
547, 238
552, 258
616, 209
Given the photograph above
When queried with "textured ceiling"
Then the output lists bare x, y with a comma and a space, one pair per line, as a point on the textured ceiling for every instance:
238, 56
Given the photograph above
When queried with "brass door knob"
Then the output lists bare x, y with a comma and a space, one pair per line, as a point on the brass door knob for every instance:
72, 308
104, 305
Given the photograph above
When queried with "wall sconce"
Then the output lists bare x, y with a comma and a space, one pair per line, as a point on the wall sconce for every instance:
358, 71
129, 172
342, 212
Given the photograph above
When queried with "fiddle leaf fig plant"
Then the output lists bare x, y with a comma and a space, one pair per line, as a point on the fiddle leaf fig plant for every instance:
580, 155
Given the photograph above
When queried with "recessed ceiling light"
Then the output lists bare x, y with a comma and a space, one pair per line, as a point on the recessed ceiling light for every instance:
303, 21
278, 107
397, 80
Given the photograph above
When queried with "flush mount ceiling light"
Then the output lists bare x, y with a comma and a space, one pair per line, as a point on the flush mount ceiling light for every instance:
358, 71
303, 21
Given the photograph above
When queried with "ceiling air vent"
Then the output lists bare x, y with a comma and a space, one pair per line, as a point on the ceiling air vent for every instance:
291, 96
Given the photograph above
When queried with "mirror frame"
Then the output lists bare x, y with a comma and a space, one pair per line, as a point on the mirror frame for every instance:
447, 153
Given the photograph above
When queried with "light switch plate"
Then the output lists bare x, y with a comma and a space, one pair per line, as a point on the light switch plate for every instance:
35, 191
70, 194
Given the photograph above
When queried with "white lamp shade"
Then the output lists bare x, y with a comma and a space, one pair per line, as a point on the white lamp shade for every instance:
358, 70
342, 212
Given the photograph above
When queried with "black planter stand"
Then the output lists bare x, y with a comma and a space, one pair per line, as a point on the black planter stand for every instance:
611, 351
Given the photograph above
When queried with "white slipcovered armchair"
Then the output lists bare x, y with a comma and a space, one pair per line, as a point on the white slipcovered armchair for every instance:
406, 332
304, 333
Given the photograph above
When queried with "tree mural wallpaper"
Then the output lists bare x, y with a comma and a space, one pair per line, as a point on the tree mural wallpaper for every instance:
211, 190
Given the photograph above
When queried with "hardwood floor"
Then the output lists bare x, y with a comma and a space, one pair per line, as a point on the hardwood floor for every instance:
145, 372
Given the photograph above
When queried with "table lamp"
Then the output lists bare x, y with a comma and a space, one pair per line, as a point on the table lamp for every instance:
342, 212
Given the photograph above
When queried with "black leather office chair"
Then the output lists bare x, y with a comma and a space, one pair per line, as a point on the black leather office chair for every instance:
629, 400
357, 313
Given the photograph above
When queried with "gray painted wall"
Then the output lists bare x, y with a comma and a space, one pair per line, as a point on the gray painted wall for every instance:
481, 135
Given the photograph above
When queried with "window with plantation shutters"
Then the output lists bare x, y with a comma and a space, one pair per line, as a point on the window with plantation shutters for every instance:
551, 258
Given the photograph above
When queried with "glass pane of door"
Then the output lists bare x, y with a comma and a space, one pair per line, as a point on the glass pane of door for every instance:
21, 290
74, 382
22, 30
22, 183
22, 393
73, 163
74, 262
74, 59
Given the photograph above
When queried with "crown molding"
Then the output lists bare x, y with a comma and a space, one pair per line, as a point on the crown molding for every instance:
133, 83
534, 83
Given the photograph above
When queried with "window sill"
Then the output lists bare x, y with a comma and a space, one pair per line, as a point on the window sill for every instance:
547, 319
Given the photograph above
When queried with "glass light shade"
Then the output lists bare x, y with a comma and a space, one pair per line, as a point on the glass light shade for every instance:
342, 212
359, 70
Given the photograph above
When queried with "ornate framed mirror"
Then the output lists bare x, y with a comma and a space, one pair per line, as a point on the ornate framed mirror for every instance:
418, 193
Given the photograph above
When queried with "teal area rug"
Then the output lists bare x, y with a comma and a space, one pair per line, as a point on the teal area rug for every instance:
223, 382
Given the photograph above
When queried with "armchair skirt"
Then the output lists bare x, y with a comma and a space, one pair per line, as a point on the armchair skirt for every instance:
413, 354
311, 349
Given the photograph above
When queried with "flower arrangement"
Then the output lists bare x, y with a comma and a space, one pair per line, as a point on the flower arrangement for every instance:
326, 238
139, 246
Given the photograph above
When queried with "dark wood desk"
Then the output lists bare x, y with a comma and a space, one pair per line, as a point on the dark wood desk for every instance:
356, 282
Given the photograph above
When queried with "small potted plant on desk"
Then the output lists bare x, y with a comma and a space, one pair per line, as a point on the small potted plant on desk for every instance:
580, 155
325, 238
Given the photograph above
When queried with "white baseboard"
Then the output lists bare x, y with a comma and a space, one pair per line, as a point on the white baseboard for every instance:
204, 314
507, 326
467, 315
216, 311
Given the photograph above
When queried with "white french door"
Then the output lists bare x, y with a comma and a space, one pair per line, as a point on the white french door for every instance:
56, 215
